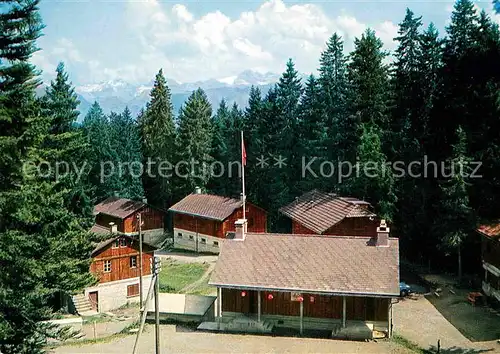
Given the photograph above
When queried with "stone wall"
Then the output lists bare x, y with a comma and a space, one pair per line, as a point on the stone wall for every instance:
112, 295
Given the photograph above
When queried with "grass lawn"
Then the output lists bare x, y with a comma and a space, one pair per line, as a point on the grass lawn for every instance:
477, 323
174, 276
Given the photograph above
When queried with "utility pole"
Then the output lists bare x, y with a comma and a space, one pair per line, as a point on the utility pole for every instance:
139, 216
156, 265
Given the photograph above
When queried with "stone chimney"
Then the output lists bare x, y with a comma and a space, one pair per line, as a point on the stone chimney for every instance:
197, 190
382, 239
240, 226
113, 228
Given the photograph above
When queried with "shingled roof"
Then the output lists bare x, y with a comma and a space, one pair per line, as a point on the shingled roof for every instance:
207, 206
491, 230
319, 211
118, 207
305, 263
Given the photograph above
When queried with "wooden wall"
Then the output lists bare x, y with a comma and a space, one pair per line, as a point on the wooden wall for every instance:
104, 220
347, 227
257, 222
120, 262
256, 219
151, 218
196, 224
357, 308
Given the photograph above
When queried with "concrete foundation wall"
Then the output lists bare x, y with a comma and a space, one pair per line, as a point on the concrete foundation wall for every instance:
113, 295
188, 240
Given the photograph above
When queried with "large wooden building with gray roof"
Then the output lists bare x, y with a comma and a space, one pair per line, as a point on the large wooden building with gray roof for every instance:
344, 285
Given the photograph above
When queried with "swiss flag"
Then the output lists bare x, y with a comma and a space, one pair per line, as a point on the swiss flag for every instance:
243, 153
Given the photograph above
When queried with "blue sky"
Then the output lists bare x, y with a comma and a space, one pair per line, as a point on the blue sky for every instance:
199, 39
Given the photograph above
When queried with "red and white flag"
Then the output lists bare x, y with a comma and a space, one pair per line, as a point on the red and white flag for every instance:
243, 153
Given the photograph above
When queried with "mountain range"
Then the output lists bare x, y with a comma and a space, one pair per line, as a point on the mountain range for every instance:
116, 95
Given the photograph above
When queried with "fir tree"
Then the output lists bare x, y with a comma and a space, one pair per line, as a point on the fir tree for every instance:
456, 220
65, 145
373, 180
194, 143
368, 96
158, 144
102, 160
44, 250
253, 140
221, 127
334, 91
125, 141
312, 133
288, 91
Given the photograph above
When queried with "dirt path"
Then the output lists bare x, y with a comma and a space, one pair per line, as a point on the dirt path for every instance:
200, 281
419, 321
174, 340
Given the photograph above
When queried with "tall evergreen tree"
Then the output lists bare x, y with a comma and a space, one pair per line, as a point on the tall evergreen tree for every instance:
158, 144
334, 92
456, 220
406, 83
44, 249
312, 133
368, 96
221, 127
253, 140
102, 160
65, 145
374, 180
194, 143
125, 141
288, 91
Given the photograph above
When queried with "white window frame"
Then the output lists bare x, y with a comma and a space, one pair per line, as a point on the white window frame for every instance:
134, 258
107, 266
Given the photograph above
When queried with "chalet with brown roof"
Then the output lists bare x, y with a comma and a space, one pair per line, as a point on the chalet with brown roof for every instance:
490, 254
341, 284
124, 214
203, 221
116, 265
320, 213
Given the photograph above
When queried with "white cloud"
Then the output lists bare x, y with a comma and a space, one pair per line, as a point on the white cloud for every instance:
263, 39
192, 48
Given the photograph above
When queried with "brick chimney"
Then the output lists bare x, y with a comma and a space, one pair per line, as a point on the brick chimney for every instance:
240, 227
113, 228
382, 239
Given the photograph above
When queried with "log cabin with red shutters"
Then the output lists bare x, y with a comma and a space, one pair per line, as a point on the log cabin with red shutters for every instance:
203, 221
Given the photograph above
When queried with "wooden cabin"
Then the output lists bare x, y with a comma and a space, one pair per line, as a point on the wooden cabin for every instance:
203, 221
490, 255
339, 284
318, 213
115, 263
124, 214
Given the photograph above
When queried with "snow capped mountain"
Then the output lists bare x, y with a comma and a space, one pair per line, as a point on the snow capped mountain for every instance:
249, 77
115, 95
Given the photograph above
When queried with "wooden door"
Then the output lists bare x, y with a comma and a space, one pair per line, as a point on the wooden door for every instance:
94, 300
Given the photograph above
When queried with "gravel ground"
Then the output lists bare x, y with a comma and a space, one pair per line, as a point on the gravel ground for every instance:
177, 341
417, 320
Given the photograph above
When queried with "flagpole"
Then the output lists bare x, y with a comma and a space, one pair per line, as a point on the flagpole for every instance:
243, 161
